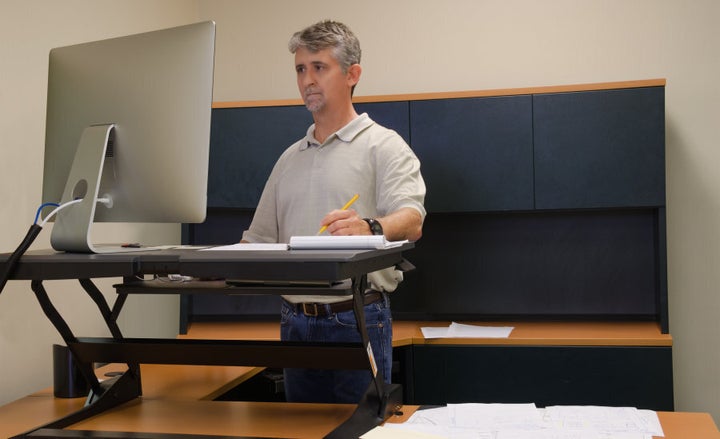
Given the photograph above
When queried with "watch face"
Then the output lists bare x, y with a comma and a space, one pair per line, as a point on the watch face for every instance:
375, 227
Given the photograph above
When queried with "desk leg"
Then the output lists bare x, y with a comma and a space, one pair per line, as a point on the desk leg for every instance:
380, 400
359, 286
65, 332
115, 392
109, 316
110, 393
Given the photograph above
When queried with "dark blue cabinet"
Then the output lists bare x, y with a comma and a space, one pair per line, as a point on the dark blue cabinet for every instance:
547, 205
539, 205
244, 145
394, 115
600, 149
246, 142
476, 153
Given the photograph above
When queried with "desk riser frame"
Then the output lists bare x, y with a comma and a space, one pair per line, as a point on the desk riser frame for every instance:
380, 401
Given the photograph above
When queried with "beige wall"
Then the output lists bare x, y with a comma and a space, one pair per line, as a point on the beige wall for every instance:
409, 46
28, 30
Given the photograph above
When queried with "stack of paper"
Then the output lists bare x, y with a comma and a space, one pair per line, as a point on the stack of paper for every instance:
458, 330
524, 421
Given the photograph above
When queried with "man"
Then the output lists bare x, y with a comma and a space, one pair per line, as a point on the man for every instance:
342, 154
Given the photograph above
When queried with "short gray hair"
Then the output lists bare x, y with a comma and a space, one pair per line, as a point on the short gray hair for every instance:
329, 34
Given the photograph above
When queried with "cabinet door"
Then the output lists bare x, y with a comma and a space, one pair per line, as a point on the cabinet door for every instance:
393, 115
476, 153
244, 145
600, 149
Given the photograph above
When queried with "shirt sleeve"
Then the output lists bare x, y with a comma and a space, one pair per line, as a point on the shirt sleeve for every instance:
399, 181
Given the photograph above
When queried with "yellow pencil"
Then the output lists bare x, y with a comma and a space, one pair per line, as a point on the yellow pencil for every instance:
345, 207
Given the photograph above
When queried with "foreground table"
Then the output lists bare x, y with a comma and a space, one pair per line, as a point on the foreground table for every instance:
156, 418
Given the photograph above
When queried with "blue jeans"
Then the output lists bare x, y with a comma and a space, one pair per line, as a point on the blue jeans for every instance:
335, 385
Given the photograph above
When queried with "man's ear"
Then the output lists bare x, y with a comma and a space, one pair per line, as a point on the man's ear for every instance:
353, 74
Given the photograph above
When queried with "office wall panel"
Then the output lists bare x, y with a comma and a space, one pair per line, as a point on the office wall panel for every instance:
590, 264
545, 375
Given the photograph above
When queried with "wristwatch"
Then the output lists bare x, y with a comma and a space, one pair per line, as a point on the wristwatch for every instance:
375, 226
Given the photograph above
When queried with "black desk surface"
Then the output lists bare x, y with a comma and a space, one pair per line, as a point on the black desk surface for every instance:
332, 265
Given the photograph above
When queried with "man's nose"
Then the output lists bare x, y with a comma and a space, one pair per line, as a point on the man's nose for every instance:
308, 79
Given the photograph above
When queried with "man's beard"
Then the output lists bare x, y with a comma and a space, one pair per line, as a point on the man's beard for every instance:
314, 102
314, 107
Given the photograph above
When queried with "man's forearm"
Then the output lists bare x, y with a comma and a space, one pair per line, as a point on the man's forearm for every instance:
405, 223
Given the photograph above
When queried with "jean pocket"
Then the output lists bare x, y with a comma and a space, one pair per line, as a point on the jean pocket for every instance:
286, 314
375, 316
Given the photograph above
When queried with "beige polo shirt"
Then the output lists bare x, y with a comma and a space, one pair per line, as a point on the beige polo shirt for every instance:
311, 179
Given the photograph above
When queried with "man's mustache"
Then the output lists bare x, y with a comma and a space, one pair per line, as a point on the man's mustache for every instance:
309, 91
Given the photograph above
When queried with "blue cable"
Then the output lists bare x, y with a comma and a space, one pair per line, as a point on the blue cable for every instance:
42, 206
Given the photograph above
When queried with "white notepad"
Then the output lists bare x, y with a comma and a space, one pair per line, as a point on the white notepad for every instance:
251, 246
343, 242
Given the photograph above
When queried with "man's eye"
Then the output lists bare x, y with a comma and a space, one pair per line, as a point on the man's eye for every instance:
300, 69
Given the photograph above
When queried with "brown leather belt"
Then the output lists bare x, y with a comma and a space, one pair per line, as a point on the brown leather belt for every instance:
326, 309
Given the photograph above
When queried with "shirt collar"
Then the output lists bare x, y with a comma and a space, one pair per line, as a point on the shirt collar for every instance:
345, 134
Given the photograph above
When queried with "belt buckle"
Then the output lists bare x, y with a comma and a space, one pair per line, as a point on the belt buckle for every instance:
313, 307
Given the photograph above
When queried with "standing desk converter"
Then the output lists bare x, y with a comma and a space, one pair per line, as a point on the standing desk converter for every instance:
344, 271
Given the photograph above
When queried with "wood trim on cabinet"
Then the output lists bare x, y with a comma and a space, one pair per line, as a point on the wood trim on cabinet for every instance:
660, 82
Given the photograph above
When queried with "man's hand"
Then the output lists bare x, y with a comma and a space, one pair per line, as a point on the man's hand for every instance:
405, 223
345, 222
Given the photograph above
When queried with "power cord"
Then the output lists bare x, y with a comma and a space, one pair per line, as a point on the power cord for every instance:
55, 211
17, 254
34, 231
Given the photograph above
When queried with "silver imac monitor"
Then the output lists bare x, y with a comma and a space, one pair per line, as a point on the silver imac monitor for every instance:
128, 132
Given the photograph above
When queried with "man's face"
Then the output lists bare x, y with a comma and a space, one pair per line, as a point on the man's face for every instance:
320, 79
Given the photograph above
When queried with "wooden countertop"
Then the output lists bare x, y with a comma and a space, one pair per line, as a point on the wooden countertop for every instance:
525, 333
300, 421
188, 382
548, 334
237, 418
160, 382
254, 419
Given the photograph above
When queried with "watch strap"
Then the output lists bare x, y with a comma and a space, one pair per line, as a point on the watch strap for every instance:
375, 226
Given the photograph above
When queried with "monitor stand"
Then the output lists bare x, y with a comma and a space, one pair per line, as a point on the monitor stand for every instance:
71, 232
